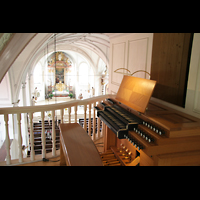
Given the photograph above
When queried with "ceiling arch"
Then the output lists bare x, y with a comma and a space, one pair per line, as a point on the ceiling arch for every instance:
99, 43
30, 67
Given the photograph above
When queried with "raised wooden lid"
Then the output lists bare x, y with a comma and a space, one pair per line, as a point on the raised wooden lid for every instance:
135, 92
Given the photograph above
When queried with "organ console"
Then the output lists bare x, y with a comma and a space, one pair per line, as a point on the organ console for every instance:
139, 131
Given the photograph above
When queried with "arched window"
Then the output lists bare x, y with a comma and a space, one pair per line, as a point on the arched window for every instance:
83, 74
38, 74
38, 82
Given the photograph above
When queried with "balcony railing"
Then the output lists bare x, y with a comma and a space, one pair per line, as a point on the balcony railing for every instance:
87, 103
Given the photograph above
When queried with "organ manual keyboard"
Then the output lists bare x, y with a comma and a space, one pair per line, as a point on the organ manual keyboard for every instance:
142, 132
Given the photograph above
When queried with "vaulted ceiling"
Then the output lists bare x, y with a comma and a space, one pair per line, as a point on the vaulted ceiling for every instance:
22, 51
23, 48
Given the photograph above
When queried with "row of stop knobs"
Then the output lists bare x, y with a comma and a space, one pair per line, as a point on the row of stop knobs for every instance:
153, 128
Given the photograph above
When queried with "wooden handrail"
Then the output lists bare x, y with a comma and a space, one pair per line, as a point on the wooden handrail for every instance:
40, 108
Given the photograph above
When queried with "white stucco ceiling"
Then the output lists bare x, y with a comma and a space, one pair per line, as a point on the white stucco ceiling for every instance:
23, 46
26, 49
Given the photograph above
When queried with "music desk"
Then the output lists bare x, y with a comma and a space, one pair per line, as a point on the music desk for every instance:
76, 147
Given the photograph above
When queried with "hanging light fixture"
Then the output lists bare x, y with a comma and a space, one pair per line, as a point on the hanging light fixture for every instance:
55, 67
55, 77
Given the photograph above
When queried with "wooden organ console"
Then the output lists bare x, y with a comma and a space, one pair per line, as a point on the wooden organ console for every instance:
142, 132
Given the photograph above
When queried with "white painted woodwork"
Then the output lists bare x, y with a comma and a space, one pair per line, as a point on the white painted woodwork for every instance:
19, 137
118, 61
53, 134
131, 51
43, 136
8, 158
32, 136
53, 108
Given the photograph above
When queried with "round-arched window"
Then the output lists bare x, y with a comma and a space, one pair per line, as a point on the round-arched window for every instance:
83, 74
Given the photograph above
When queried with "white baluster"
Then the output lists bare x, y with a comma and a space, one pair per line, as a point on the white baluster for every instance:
8, 159
69, 112
89, 122
43, 136
94, 121
19, 137
61, 115
32, 136
85, 110
75, 115
53, 134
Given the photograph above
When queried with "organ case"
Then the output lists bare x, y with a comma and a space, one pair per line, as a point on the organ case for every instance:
142, 132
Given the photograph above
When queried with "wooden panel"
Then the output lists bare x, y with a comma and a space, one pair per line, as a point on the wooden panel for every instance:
135, 53
179, 159
77, 146
180, 124
135, 92
175, 118
110, 139
170, 66
145, 160
137, 56
118, 61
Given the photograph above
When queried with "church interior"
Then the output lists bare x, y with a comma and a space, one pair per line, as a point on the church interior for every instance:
43, 70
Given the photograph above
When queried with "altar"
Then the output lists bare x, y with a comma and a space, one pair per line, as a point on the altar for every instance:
60, 93
59, 71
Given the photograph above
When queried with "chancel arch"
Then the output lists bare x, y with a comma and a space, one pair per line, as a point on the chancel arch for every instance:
62, 73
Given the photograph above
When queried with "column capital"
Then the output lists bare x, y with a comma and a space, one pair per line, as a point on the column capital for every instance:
23, 85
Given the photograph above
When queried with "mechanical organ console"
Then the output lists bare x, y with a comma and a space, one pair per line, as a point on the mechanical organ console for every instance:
140, 132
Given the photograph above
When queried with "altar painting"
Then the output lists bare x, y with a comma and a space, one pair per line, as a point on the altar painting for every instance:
59, 67
59, 75
62, 61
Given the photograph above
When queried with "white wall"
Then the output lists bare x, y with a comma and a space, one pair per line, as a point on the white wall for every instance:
131, 51
5, 101
5, 92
